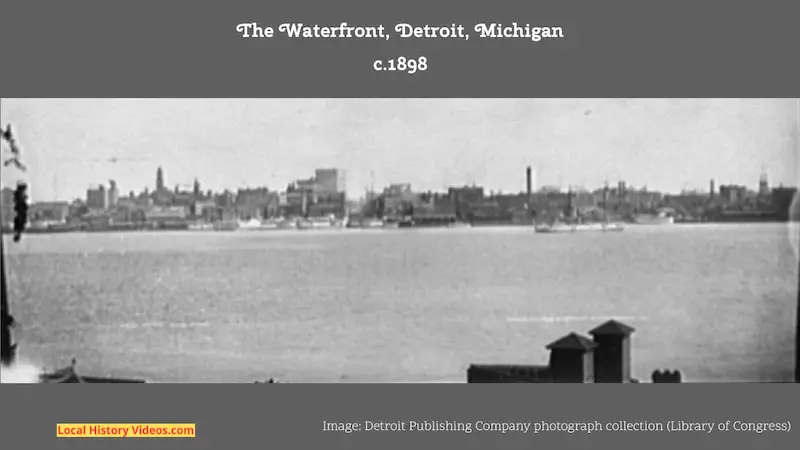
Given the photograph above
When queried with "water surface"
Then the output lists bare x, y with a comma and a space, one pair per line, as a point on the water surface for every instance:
715, 301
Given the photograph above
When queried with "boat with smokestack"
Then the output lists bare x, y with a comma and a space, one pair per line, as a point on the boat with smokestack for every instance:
318, 223
285, 223
364, 222
250, 225
663, 217
560, 227
573, 225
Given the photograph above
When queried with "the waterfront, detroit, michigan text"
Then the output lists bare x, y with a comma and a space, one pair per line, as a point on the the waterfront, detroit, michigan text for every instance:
344, 30
543, 426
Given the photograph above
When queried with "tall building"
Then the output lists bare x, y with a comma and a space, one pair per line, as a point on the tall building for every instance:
97, 198
329, 181
763, 185
159, 179
113, 193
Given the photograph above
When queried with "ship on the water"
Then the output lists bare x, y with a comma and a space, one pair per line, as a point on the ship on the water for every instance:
561, 227
226, 225
175, 225
433, 220
318, 223
368, 222
570, 223
482, 220
201, 226
287, 223
270, 224
749, 216
250, 225
511, 218
662, 218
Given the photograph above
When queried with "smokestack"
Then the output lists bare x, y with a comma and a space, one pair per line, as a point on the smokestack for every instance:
711, 189
569, 200
528, 182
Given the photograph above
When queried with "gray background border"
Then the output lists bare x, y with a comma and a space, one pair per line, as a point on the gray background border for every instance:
290, 416
190, 48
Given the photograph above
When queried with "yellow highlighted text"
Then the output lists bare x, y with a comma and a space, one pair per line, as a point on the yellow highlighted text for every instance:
125, 430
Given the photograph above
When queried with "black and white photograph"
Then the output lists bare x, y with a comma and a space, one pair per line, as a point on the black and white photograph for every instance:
399, 240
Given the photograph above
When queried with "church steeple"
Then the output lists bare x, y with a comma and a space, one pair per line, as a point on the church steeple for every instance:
159, 179
763, 182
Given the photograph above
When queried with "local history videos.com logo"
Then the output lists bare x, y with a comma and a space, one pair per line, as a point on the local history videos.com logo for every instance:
125, 430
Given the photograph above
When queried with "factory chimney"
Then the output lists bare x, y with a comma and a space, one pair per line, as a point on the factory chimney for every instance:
528, 187
528, 182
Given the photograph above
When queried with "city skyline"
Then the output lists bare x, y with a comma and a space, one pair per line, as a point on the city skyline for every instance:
666, 145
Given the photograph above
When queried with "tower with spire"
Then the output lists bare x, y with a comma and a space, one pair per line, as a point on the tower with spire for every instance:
159, 180
763, 183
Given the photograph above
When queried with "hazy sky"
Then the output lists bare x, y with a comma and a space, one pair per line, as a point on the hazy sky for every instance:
431, 143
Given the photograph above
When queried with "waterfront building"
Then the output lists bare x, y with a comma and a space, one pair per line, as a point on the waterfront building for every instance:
200, 208
225, 199
49, 211
183, 199
398, 200
733, 193
465, 194
642, 199
164, 213
329, 181
253, 197
97, 198
122, 213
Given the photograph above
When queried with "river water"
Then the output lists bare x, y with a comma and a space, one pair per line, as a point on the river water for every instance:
715, 301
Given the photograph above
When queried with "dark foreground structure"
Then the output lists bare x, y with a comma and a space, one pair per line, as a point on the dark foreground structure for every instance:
576, 359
